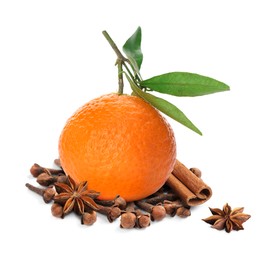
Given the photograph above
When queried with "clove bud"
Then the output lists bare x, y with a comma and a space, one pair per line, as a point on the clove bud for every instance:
170, 208
158, 213
45, 179
88, 218
120, 202
128, 217
143, 220
183, 212
57, 210
36, 170
57, 162
128, 220
196, 172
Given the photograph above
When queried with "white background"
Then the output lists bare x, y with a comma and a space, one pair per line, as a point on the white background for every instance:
53, 59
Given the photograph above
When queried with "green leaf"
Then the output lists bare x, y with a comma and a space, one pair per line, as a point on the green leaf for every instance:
132, 48
164, 106
184, 84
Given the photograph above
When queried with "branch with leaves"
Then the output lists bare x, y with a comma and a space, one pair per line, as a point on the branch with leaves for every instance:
181, 84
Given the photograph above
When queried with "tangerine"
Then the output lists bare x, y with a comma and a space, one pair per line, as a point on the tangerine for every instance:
120, 144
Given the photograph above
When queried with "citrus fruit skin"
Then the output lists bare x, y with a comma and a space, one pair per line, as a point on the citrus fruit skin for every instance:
120, 144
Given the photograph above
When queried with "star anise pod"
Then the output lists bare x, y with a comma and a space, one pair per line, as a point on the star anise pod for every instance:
227, 218
73, 196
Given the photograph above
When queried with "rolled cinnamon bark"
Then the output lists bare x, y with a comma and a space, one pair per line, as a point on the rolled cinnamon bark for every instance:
188, 187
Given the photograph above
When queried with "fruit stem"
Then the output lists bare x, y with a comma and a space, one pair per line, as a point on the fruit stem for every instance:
120, 76
121, 61
114, 46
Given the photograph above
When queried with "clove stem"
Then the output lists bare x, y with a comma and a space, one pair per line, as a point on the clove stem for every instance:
157, 212
35, 189
47, 194
118, 201
112, 212
161, 197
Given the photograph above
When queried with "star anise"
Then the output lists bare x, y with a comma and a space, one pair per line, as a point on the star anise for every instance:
227, 218
73, 196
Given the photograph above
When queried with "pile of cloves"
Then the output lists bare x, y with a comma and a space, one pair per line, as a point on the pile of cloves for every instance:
137, 214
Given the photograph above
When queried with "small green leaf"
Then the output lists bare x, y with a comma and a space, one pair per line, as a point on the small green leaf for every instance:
132, 48
184, 84
164, 106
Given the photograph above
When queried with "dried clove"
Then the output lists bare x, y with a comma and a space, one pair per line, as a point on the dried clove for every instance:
36, 170
47, 194
176, 208
161, 197
62, 179
57, 210
57, 162
112, 212
157, 212
45, 179
170, 207
143, 220
128, 217
88, 218
183, 212
118, 201
196, 172
137, 214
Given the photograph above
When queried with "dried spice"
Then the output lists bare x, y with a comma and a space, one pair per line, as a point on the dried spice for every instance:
157, 212
69, 196
75, 197
143, 219
57, 210
88, 218
191, 190
227, 218
36, 170
174, 208
113, 212
118, 201
47, 194
128, 217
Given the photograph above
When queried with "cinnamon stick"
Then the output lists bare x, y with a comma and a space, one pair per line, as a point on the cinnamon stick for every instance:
188, 187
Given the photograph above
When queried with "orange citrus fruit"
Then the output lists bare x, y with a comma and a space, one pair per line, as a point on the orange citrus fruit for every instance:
120, 144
